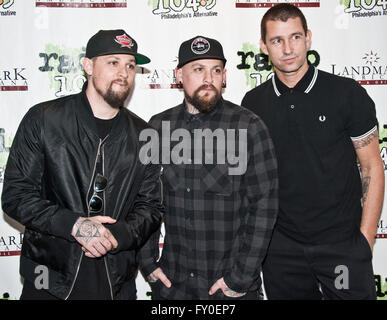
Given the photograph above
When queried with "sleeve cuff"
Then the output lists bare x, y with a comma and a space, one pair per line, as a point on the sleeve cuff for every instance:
233, 285
120, 233
364, 135
149, 268
62, 224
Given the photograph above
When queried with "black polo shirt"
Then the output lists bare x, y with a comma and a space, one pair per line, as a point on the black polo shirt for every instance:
312, 126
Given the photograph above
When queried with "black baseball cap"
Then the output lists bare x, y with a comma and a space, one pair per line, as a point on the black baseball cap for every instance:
113, 42
200, 47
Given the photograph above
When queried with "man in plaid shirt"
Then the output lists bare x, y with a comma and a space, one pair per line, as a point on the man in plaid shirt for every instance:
220, 188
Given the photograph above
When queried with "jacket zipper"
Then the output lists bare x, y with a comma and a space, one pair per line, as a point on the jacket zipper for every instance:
161, 186
88, 214
104, 206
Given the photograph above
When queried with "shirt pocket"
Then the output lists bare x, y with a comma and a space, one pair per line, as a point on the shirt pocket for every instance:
171, 177
216, 179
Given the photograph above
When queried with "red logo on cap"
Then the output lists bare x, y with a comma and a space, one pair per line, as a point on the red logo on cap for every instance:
124, 41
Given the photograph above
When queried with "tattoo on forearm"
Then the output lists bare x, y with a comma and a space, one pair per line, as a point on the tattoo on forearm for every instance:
365, 141
365, 185
87, 229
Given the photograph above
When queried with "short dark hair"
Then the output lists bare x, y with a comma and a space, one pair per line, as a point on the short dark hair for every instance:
283, 12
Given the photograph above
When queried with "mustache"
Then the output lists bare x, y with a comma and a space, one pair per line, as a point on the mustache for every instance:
121, 82
206, 86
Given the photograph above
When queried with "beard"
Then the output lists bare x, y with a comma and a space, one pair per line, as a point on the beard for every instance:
200, 103
114, 99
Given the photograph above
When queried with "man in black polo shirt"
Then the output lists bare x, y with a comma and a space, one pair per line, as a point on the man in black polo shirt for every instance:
320, 123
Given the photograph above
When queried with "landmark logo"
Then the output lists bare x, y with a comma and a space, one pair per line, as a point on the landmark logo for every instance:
10, 244
370, 70
13, 79
382, 229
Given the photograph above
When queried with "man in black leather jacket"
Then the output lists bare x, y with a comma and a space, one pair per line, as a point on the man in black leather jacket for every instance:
75, 181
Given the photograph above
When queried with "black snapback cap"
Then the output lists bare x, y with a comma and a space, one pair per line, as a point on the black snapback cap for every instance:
200, 47
113, 42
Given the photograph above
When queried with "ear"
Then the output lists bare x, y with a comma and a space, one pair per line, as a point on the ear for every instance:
87, 65
178, 75
309, 39
263, 47
224, 77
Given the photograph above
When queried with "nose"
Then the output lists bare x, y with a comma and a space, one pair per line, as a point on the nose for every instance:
208, 79
123, 72
287, 47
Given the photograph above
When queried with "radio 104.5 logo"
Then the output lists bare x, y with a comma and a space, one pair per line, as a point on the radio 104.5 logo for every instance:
6, 7
63, 65
365, 8
180, 9
257, 65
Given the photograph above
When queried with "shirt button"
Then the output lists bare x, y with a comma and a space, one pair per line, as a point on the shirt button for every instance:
188, 190
292, 106
192, 275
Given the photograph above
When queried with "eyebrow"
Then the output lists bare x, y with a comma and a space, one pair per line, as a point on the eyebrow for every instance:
118, 58
198, 64
293, 34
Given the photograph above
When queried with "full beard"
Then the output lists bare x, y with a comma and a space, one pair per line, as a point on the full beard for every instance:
114, 99
200, 103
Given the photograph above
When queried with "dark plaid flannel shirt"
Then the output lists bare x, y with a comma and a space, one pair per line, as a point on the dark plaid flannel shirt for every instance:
217, 225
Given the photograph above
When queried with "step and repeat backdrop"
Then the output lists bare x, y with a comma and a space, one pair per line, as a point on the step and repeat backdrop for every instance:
42, 44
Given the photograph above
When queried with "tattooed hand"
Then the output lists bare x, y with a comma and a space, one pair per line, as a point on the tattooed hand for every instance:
95, 239
220, 284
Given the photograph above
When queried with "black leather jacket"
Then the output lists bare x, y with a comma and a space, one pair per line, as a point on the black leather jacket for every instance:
48, 178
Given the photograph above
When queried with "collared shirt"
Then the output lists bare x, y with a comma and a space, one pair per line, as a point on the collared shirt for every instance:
313, 126
218, 223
